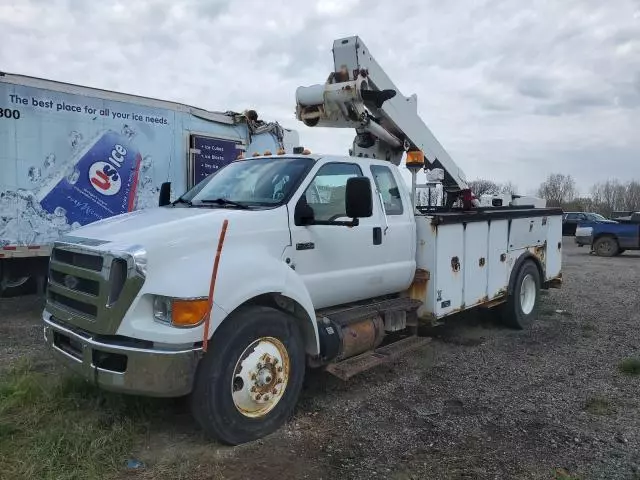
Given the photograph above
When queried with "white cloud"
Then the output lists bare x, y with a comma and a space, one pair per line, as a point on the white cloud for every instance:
513, 90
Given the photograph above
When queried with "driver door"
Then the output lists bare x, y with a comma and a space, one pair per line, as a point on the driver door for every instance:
337, 263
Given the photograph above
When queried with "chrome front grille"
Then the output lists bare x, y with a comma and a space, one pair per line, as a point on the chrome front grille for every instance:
80, 260
90, 289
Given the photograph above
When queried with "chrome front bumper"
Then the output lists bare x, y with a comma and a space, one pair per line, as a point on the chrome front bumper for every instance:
121, 368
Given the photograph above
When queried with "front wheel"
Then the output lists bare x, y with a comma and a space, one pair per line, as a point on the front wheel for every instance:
606, 247
521, 307
248, 384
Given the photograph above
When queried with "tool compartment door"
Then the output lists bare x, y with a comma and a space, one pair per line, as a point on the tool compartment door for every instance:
476, 236
450, 262
527, 232
497, 259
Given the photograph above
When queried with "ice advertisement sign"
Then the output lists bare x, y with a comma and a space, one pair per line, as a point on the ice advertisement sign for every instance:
69, 160
103, 182
211, 154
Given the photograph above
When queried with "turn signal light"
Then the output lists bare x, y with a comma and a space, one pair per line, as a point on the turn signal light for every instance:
188, 313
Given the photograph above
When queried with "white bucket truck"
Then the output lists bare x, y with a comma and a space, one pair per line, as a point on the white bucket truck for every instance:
283, 262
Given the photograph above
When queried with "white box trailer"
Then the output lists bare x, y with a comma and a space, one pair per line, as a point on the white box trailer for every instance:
72, 155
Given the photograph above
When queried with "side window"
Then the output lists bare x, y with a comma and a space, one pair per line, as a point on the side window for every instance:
326, 193
387, 186
572, 216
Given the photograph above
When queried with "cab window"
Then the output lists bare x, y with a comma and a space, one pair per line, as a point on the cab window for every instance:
388, 188
326, 193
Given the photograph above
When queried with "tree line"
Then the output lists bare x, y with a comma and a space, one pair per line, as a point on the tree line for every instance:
560, 190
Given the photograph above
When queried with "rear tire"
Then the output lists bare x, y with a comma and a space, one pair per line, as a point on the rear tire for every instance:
13, 284
606, 246
248, 383
521, 307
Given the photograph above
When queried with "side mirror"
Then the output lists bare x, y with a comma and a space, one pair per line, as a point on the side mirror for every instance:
303, 213
165, 194
359, 198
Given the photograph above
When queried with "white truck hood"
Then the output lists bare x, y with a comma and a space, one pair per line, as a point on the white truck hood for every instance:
163, 225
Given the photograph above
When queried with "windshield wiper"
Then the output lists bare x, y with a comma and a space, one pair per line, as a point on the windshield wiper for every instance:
224, 201
182, 200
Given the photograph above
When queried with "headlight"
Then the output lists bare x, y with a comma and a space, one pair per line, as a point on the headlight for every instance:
139, 255
180, 312
162, 309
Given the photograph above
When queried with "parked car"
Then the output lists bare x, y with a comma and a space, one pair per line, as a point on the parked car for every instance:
571, 220
611, 238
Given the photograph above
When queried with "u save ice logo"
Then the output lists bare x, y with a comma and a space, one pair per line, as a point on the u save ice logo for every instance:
104, 176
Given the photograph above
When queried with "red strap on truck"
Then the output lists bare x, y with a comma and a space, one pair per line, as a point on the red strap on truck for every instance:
212, 286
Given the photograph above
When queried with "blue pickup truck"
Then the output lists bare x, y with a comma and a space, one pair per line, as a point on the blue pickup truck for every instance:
611, 238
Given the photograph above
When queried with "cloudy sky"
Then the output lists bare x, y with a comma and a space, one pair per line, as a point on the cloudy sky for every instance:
514, 90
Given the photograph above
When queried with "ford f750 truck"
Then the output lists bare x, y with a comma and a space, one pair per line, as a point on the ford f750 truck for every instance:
278, 263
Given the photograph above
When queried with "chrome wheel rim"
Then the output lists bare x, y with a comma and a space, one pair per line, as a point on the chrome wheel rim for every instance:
527, 294
260, 377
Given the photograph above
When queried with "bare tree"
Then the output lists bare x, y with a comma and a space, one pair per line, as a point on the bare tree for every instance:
631, 200
558, 189
482, 187
508, 187
609, 196
580, 204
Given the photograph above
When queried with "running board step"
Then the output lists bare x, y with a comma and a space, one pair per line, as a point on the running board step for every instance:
354, 365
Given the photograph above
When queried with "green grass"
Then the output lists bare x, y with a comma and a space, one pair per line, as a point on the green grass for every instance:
598, 405
59, 427
630, 366
562, 474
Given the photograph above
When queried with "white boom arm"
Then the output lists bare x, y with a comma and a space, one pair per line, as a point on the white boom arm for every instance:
360, 95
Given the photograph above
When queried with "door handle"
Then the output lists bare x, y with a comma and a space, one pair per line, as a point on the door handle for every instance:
377, 235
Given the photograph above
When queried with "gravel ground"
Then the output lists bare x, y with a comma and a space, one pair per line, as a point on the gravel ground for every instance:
479, 402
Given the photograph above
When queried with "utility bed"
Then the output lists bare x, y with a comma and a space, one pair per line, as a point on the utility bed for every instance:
468, 257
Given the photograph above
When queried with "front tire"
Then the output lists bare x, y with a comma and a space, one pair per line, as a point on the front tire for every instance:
521, 307
248, 383
606, 246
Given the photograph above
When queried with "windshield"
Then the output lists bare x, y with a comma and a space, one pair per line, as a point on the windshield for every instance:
253, 182
596, 216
